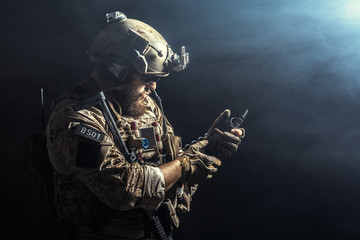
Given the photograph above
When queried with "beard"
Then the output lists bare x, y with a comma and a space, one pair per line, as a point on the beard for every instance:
131, 102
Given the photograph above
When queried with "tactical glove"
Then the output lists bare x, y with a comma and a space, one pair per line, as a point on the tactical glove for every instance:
196, 165
222, 143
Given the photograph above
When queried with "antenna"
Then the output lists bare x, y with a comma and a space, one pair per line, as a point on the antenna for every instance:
42, 108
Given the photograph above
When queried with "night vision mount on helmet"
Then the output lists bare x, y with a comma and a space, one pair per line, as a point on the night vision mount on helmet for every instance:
126, 42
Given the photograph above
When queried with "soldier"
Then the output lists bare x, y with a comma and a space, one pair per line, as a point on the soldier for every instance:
130, 185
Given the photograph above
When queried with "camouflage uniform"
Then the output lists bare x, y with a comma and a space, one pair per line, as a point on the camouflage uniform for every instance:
96, 189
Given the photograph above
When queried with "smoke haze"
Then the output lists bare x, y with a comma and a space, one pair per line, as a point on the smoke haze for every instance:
293, 64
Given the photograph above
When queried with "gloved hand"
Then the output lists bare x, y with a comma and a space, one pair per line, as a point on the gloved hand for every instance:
196, 165
223, 143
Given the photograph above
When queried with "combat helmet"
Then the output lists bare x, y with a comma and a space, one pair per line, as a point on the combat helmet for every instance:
125, 44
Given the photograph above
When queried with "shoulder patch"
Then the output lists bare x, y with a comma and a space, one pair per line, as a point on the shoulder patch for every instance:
88, 155
89, 133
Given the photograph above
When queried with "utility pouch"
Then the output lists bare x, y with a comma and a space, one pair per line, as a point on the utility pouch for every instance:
172, 145
168, 212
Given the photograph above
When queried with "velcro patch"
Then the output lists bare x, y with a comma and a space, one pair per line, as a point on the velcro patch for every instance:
89, 133
88, 155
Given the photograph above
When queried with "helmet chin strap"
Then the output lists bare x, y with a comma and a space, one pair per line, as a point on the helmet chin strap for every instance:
162, 110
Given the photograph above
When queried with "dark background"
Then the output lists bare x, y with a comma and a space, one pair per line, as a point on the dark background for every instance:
293, 64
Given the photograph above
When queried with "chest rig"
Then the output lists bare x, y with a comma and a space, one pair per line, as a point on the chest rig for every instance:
144, 137
149, 136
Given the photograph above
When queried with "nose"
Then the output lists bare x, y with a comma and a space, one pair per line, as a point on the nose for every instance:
151, 85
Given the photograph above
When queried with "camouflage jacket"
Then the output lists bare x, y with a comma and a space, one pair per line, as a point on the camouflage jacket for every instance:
92, 178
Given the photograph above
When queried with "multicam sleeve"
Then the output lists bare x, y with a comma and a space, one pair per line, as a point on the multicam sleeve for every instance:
129, 185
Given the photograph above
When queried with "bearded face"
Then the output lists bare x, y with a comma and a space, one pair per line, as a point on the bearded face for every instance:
132, 102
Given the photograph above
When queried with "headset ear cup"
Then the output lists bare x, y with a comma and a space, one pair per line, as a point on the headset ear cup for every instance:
104, 73
118, 70
113, 73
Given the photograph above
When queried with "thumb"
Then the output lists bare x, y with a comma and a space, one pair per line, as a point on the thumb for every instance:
218, 120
